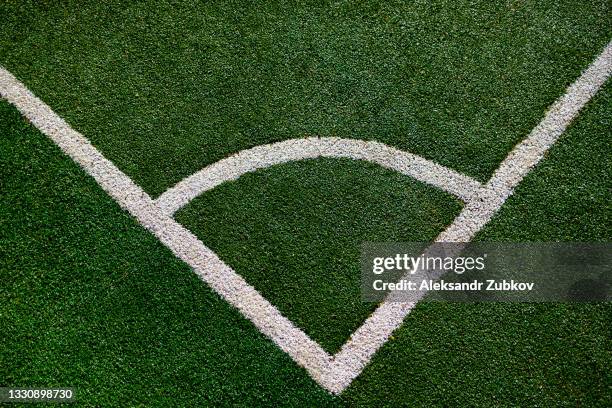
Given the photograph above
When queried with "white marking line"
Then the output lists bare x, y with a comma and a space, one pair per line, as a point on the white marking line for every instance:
357, 352
231, 168
333, 373
231, 286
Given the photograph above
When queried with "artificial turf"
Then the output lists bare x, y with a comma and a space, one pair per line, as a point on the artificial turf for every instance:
534, 354
91, 300
295, 231
164, 88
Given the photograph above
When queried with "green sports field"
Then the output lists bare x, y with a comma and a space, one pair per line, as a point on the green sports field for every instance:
90, 299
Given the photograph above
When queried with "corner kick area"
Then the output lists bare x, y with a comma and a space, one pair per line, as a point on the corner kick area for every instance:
269, 231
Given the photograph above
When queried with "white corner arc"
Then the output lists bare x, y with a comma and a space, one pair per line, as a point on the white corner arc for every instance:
263, 156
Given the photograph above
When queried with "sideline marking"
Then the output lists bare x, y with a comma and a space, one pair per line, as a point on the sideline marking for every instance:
334, 373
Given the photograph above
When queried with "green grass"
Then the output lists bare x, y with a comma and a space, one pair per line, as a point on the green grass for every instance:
568, 197
164, 90
294, 232
90, 299
516, 354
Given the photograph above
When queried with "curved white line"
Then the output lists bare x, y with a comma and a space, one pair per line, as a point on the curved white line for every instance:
260, 157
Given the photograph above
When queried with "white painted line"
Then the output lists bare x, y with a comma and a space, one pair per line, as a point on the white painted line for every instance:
357, 352
231, 168
231, 286
531, 150
334, 373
